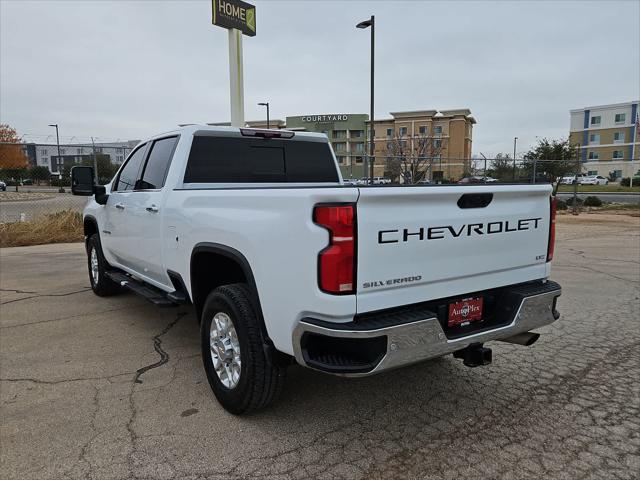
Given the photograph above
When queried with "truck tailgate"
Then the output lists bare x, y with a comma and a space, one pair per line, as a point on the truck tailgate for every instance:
422, 243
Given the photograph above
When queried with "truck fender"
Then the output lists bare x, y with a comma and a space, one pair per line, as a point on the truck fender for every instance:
241, 261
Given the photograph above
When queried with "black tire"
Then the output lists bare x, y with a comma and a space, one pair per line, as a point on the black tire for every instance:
260, 381
103, 286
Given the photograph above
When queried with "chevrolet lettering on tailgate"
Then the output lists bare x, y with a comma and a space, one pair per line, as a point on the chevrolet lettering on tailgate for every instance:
449, 231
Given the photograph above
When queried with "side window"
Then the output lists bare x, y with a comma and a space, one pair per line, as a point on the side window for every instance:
129, 173
155, 171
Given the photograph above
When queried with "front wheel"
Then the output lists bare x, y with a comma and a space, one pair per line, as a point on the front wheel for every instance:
240, 374
98, 266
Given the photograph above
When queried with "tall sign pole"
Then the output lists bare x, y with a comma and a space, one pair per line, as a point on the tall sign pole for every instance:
239, 18
236, 81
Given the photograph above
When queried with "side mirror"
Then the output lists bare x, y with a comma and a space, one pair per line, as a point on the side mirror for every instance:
82, 181
101, 194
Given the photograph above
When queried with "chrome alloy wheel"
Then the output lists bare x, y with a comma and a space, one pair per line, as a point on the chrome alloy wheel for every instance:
95, 272
225, 350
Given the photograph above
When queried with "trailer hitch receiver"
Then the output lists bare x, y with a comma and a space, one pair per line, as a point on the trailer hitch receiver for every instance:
474, 355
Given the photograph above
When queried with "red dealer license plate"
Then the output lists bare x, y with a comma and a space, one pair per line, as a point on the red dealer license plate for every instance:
465, 311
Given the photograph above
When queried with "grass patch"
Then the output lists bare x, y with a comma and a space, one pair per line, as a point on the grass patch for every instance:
620, 207
631, 209
611, 188
10, 196
60, 227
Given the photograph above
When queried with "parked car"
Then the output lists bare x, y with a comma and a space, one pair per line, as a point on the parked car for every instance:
3, 186
571, 179
540, 177
467, 180
381, 181
594, 180
285, 264
27, 181
350, 181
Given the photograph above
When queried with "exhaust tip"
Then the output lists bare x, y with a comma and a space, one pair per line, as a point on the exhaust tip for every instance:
525, 338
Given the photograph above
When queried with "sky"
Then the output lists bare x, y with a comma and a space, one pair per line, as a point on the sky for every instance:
132, 69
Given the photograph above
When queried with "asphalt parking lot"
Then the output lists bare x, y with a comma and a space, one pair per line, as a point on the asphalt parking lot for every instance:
113, 388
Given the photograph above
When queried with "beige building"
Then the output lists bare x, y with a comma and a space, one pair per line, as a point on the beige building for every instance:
607, 136
443, 137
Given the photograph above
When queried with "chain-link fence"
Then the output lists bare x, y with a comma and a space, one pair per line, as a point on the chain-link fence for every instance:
402, 170
32, 202
411, 170
37, 198
35, 177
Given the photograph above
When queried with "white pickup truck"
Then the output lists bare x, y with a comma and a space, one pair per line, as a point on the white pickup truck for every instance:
284, 263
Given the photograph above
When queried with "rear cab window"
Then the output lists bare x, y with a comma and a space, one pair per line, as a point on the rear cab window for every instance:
223, 159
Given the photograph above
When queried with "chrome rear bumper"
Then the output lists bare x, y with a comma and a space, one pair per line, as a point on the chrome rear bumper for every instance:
408, 342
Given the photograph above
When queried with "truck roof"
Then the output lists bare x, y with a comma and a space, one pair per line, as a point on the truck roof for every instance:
235, 131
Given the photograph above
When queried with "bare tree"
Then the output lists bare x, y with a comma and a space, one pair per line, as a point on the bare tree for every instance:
411, 157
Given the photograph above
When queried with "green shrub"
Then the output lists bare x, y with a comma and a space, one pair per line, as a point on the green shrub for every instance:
625, 182
579, 201
592, 201
561, 204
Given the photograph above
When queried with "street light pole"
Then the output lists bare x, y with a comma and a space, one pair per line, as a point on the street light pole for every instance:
365, 24
60, 190
535, 167
95, 162
266, 104
575, 182
484, 174
515, 142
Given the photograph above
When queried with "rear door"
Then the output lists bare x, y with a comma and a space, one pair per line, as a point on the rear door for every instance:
429, 242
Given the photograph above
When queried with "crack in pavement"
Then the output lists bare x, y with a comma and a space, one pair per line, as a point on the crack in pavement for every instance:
591, 269
46, 295
582, 254
14, 290
126, 307
157, 345
164, 358
66, 380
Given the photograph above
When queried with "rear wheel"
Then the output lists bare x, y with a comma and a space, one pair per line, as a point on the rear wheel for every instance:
240, 374
98, 266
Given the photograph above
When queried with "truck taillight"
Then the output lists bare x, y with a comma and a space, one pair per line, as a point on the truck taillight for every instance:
337, 261
552, 229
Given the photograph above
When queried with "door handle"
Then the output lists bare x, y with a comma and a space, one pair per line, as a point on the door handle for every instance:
119, 206
152, 209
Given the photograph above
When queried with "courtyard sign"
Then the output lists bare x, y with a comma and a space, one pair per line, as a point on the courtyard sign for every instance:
325, 118
234, 14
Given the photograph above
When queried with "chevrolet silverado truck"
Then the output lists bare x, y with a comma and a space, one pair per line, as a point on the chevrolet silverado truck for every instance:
284, 263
